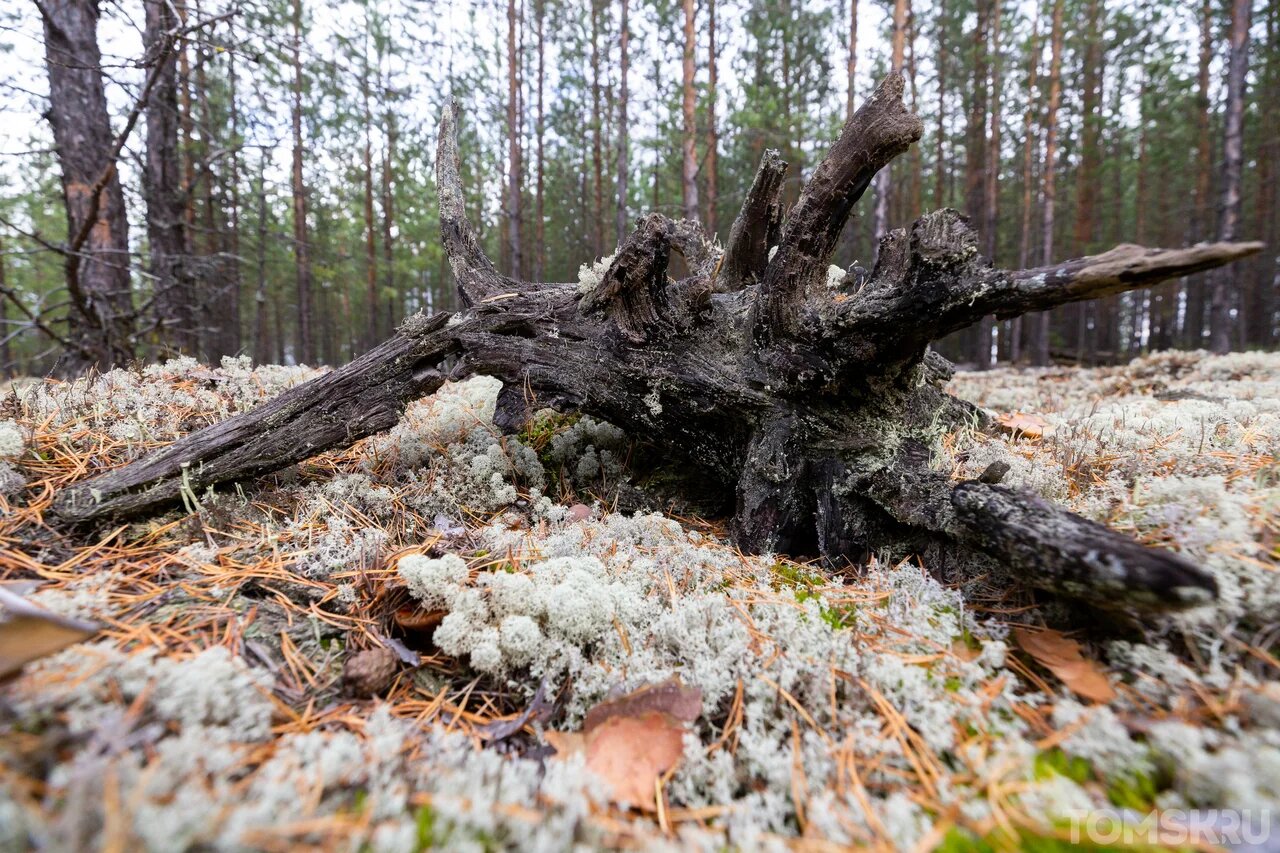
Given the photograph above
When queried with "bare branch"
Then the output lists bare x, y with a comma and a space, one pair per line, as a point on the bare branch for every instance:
476, 275
748, 251
879, 131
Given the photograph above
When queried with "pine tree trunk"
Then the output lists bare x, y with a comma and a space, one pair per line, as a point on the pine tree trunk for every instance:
1048, 190
235, 286
915, 196
1224, 280
624, 69
100, 317
940, 158
689, 169
1200, 221
514, 155
306, 353
883, 180
1090, 160
597, 127
389, 281
162, 186
6, 349
1263, 313
1029, 148
852, 62
991, 178
713, 132
976, 157
539, 228
370, 227
262, 348
212, 304
1142, 308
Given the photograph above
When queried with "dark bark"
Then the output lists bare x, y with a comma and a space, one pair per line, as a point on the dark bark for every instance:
1048, 187
689, 165
1224, 280
515, 166
623, 167
370, 226
6, 349
162, 186
813, 409
306, 353
97, 252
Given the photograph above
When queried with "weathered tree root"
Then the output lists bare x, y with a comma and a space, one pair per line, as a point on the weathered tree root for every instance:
815, 404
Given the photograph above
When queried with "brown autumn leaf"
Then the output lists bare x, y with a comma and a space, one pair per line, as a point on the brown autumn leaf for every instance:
1026, 425
632, 753
670, 696
28, 632
1061, 655
631, 741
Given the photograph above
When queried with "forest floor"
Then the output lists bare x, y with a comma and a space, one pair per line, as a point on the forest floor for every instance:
435, 638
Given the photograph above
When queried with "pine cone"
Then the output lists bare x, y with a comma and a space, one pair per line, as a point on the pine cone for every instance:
369, 672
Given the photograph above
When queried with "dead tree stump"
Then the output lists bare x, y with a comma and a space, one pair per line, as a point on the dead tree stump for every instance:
817, 403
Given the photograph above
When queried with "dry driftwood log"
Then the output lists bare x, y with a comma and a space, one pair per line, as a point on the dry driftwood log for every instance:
816, 403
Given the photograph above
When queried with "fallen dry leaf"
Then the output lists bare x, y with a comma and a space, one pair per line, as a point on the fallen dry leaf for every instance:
1061, 655
28, 632
670, 696
632, 753
631, 741
1028, 426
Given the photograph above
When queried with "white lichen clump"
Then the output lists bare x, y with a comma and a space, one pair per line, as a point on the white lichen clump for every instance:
12, 443
835, 276
435, 582
590, 275
625, 601
158, 403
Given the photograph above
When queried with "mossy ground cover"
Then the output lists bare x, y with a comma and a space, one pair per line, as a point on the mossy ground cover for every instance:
879, 706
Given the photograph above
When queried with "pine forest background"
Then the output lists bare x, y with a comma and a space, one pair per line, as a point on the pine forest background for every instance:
272, 160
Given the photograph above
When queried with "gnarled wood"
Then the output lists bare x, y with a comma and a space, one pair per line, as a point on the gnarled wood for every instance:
812, 407
477, 277
759, 220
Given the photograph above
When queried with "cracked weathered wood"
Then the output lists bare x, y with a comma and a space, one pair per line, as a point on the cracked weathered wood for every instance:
759, 221
812, 408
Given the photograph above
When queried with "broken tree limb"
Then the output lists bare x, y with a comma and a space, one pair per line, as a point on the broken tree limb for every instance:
879, 131
477, 277
810, 408
748, 250
365, 397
